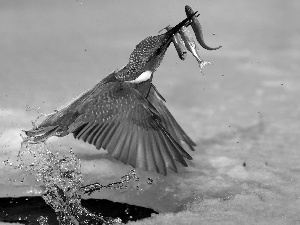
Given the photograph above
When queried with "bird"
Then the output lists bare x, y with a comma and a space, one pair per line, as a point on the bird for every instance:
125, 114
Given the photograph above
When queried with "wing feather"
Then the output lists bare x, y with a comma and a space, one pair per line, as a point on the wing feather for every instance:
98, 133
160, 164
125, 147
132, 144
102, 134
117, 142
87, 132
89, 139
168, 121
141, 156
128, 126
84, 128
171, 153
150, 161
112, 127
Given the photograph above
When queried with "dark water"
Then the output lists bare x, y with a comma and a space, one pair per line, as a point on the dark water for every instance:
28, 210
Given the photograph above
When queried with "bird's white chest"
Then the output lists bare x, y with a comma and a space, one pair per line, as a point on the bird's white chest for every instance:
141, 78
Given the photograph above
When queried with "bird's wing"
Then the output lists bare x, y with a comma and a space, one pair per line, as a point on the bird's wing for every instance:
168, 121
120, 120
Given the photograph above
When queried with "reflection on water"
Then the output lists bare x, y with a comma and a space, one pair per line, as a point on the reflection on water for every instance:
63, 182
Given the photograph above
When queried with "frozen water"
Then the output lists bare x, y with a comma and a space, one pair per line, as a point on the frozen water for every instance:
243, 114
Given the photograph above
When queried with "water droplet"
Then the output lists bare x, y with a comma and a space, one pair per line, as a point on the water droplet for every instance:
150, 181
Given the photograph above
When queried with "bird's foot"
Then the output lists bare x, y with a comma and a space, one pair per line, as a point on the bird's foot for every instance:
37, 135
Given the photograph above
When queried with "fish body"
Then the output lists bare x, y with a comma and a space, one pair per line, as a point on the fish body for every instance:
179, 44
198, 29
191, 46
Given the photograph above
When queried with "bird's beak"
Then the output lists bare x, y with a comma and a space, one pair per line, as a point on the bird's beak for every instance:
161, 44
185, 23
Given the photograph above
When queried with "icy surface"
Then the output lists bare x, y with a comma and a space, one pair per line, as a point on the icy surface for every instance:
243, 113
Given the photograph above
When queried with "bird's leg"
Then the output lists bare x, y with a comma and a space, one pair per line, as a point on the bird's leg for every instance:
41, 134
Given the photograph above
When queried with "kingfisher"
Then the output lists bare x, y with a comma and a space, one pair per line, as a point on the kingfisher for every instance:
125, 114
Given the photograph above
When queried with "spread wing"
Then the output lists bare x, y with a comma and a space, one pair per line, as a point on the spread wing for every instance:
168, 121
120, 120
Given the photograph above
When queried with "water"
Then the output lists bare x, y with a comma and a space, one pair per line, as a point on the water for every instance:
243, 112
61, 176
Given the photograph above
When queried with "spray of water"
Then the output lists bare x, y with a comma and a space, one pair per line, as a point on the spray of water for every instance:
63, 183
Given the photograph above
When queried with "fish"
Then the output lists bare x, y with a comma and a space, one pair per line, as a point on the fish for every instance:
179, 44
196, 26
191, 46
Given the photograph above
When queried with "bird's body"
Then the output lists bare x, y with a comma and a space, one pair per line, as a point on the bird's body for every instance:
125, 115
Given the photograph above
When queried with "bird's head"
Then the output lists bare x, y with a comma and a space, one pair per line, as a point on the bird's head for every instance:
148, 54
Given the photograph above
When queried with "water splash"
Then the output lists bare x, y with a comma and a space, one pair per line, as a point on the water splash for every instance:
122, 184
63, 182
